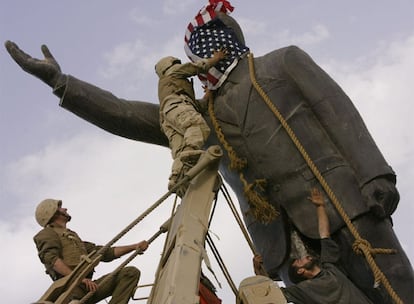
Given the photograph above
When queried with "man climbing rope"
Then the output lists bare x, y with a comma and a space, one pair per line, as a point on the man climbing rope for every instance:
318, 280
61, 249
183, 125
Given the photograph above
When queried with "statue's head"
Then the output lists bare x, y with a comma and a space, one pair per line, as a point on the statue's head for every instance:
233, 24
212, 29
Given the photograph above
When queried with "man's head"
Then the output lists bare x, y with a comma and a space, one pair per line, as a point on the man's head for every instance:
164, 64
49, 210
303, 268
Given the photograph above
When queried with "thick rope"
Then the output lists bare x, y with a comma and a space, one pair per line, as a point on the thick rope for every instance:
135, 222
109, 277
239, 221
261, 209
360, 246
221, 264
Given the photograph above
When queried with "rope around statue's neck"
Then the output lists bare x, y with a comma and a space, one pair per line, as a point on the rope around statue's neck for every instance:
260, 209
360, 246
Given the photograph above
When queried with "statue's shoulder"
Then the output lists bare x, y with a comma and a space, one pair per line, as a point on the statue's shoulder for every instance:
288, 57
290, 51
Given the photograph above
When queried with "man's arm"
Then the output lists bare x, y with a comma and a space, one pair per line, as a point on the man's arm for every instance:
329, 248
205, 64
60, 267
317, 199
121, 250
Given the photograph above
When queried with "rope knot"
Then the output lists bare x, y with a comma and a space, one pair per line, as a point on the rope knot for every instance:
361, 246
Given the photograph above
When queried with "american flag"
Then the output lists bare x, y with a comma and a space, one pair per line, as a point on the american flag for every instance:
205, 34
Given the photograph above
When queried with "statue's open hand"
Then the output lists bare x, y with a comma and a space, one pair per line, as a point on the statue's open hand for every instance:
47, 69
382, 196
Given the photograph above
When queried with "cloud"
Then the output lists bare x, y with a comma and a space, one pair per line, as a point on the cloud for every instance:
105, 182
258, 34
139, 18
129, 67
252, 27
383, 95
23, 268
172, 7
316, 34
379, 85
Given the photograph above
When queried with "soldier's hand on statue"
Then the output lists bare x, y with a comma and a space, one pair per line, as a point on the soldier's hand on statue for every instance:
47, 69
382, 196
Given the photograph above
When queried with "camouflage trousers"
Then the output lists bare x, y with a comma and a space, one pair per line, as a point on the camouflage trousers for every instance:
185, 129
120, 287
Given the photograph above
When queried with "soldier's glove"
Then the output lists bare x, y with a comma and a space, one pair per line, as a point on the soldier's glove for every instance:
382, 196
47, 69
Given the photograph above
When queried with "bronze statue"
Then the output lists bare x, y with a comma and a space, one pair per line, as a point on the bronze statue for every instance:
324, 120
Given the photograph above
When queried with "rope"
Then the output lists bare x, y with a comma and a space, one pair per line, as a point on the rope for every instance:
159, 268
360, 246
238, 219
261, 209
221, 264
143, 215
121, 266
240, 223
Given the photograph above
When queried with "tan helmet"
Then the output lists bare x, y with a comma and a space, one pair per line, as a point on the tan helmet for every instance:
164, 64
46, 210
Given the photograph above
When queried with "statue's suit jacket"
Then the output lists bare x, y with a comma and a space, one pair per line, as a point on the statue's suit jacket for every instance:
319, 112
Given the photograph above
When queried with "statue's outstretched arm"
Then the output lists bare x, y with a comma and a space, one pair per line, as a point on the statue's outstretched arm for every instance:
135, 120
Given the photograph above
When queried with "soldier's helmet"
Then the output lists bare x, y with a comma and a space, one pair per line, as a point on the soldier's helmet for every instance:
46, 210
165, 63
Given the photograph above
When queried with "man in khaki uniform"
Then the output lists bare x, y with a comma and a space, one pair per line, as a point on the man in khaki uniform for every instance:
183, 125
60, 250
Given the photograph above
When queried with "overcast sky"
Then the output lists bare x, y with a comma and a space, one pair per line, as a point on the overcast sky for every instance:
106, 181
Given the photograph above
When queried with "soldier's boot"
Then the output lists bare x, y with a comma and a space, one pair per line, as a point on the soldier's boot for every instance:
190, 157
175, 173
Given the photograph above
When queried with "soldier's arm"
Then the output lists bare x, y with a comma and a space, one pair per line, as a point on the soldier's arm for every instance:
122, 250
60, 267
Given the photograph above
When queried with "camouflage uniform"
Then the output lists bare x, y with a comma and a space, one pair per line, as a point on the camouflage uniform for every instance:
183, 125
55, 242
